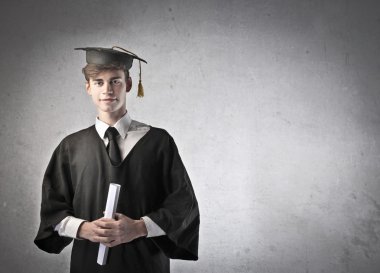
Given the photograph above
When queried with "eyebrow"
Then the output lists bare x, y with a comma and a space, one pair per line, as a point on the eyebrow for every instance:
113, 78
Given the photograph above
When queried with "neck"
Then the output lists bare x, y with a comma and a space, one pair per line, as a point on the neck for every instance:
111, 118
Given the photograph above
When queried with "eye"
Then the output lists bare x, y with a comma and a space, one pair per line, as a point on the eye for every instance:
98, 83
116, 81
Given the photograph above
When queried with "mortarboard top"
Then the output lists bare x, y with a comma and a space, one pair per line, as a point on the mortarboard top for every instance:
101, 55
105, 56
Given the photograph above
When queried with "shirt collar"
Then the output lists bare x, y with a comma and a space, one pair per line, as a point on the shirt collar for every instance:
122, 126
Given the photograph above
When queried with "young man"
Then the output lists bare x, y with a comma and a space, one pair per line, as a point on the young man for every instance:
157, 214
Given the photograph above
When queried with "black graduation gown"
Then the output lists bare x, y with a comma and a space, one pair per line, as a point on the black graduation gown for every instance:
154, 183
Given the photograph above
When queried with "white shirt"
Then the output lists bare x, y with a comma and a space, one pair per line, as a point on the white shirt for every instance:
131, 132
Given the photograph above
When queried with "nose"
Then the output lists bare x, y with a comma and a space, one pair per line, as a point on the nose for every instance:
108, 88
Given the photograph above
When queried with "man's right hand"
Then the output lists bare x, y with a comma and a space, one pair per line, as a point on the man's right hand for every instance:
87, 231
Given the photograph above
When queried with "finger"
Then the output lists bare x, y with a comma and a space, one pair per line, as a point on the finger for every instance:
103, 220
103, 232
119, 216
98, 223
113, 243
103, 240
103, 224
107, 219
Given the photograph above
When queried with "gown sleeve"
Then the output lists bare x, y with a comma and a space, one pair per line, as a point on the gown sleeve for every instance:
178, 215
56, 202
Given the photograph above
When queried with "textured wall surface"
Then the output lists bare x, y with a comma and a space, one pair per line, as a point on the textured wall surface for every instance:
274, 105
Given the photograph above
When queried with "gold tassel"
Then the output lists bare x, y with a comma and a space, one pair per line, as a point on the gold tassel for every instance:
140, 92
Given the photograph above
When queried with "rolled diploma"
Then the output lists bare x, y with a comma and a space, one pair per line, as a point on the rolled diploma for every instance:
112, 199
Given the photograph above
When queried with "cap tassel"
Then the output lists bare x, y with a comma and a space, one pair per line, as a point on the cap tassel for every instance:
140, 90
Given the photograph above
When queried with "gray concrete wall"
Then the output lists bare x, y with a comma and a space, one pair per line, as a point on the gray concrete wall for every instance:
274, 106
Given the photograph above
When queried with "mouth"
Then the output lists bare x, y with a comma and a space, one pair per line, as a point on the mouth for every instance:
109, 99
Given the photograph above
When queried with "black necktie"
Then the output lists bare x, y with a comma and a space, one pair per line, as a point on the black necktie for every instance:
113, 148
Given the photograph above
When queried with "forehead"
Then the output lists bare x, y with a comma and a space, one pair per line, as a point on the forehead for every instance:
109, 74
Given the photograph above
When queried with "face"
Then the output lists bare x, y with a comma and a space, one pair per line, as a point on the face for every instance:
108, 91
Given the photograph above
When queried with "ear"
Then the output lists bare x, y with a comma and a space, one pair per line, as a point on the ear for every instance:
88, 89
129, 84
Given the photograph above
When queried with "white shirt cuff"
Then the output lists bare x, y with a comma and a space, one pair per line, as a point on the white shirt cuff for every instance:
69, 226
152, 228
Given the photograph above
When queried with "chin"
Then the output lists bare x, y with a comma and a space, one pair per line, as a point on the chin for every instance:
110, 110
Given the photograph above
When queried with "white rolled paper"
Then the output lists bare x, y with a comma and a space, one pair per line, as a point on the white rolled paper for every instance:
112, 199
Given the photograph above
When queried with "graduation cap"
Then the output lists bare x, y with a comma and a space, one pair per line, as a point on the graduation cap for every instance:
105, 56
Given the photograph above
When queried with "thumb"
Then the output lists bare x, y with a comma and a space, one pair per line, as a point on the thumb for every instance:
119, 216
